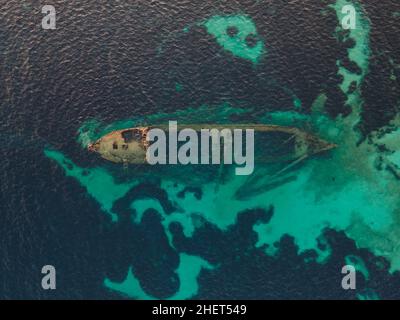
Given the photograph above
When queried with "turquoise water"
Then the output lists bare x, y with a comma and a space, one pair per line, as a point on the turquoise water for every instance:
188, 271
342, 190
236, 44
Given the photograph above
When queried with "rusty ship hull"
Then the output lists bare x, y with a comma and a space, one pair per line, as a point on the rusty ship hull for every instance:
273, 143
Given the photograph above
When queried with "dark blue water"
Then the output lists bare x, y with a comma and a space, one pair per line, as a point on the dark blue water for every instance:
116, 61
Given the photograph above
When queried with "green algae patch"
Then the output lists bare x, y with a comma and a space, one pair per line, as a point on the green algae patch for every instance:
185, 220
178, 87
99, 183
359, 54
359, 264
304, 212
217, 206
238, 35
285, 118
130, 287
368, 295
188, 271
87, 133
